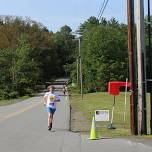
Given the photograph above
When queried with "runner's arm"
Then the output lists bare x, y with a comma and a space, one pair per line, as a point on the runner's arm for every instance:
45, 100
57, 99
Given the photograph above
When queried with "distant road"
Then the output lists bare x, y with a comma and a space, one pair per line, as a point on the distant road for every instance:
23, 128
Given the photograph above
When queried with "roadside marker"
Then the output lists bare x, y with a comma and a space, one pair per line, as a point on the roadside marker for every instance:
93, 133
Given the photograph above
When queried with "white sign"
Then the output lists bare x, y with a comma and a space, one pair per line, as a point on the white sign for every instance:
101, 115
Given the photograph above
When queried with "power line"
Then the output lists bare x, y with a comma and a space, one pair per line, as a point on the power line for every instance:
103, 9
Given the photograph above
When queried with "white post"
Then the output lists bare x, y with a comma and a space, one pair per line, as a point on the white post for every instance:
112, 113
125, 101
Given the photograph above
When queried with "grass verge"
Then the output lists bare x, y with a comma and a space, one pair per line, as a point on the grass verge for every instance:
83, 111
12, 101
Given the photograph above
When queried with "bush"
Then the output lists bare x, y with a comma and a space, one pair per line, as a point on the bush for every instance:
13, 94
29, 91
1, 94
4, 94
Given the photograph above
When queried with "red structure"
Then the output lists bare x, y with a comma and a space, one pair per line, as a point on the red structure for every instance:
114, 87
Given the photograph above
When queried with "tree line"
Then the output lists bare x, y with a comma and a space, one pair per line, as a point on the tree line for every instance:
104, 47
30, 54
104, 53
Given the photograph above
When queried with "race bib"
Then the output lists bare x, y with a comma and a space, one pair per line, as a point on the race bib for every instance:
52, 98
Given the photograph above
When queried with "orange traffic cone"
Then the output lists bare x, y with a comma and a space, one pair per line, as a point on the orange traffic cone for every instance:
93, 133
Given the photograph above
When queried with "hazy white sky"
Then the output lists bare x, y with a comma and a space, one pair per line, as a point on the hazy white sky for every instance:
56, 13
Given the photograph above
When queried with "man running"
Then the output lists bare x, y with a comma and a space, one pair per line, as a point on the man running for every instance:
50, 100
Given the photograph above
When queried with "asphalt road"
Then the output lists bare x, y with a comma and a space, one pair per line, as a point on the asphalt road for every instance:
23, 128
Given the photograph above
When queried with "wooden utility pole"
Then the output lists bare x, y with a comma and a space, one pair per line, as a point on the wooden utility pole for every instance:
132, 67
79, 66
142, 125
150, 64
77, 70
81, 78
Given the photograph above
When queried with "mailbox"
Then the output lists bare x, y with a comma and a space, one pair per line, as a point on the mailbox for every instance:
114, 87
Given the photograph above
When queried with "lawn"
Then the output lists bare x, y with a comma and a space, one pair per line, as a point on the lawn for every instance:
83, 111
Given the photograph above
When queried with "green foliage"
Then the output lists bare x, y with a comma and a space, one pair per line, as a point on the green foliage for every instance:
148, 28
104, 53
31, 55
87, 25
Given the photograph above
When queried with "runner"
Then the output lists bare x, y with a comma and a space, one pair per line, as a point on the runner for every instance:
50, 99
64, 90
66, 86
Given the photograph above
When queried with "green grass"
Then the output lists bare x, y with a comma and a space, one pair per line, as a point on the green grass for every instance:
12, 101
103, 101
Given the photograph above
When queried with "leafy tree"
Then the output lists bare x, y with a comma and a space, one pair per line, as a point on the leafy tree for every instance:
65, 47
104, 53
87, 25
26, 68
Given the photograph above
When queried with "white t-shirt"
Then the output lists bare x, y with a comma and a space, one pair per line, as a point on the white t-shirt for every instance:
50, 98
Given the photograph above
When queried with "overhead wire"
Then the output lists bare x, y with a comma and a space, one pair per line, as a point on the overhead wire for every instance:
102, 9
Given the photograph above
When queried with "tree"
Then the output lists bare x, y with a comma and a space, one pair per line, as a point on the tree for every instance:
104, 53
87, 25
65, 48
26, 68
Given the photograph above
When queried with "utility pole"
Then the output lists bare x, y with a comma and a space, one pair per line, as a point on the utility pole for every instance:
132, 67
150, 64
79, 65
81, 78
142, 125
77, 62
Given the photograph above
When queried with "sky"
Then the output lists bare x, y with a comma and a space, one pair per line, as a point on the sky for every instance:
56, 13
